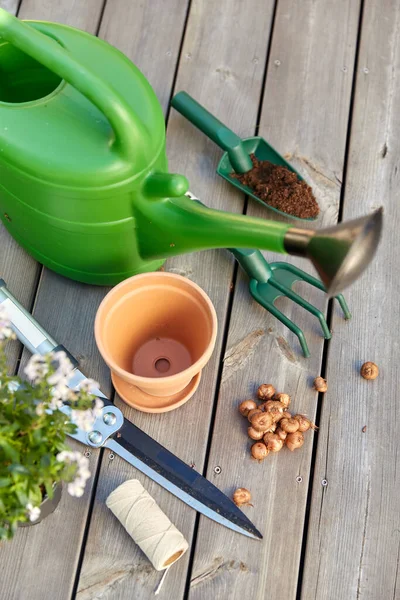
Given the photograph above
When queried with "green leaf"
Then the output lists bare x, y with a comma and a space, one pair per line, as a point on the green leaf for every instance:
4, 482
49, 488
22, 496
18, 469
9, 451
45, 461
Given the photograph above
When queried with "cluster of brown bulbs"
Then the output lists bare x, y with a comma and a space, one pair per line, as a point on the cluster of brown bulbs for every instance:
271, 424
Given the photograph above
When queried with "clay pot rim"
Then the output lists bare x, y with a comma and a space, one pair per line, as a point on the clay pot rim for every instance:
195, 367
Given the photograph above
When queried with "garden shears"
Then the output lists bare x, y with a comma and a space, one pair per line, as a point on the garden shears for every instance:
111, 430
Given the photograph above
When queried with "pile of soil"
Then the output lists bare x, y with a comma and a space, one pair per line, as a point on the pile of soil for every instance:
281, 188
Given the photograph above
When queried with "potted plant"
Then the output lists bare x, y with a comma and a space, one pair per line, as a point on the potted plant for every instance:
34, 458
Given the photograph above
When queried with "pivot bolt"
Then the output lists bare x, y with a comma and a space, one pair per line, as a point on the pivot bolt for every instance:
109, 419
95, 437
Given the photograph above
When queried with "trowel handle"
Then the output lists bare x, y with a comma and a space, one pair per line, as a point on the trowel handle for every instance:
214, 129
129, 132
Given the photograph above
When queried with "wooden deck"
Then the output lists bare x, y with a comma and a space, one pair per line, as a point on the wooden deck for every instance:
321, 82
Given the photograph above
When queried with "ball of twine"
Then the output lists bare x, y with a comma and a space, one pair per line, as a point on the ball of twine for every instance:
149, 527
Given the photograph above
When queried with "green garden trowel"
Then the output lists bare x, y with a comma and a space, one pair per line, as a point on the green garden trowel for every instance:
237, 151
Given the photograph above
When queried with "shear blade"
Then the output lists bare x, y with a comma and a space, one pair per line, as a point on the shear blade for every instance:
166, 469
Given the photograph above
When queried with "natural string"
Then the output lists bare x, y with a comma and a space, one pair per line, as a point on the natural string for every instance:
158, 589
150, 528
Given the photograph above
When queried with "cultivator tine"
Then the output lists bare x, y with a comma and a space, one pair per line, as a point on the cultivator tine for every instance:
296, 274
289, 293
269, 281
343, 306
270, 307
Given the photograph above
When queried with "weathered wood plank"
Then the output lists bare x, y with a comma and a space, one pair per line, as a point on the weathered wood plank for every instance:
354, 539
304, 114
42, 560
10, 5
13, 263
13, 260
51, 549
217, 61
150, 35
84, 15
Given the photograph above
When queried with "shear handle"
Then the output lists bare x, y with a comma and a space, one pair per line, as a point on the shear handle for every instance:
27, 329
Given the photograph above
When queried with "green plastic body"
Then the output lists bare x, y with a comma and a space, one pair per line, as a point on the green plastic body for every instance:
84, 182
237, 156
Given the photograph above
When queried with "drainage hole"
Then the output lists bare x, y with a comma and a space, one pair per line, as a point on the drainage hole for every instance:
162, 365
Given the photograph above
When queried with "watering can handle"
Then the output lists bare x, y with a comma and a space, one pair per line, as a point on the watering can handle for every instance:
45, 50
224, 137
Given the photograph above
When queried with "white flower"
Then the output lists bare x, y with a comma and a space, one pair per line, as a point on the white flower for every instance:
63, 369
33, 512
61, 456
75, 490
83, 419
6, 333
68, 456
57, 378
98, 407
76, 487
61, 391
55, 404
84, 473
37, 368
40, 409
64, 365
88, 384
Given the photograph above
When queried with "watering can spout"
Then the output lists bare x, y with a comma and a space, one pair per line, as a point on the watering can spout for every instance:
340, 254
172, 226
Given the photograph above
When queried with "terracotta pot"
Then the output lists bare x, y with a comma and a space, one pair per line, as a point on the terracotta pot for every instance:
47, 507
156, 332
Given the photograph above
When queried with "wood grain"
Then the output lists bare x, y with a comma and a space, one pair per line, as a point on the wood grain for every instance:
83, 15
304, 115
41, 561
354, 536
10, 5
150, 34
20, 272
13, 260
217, 63
353, 540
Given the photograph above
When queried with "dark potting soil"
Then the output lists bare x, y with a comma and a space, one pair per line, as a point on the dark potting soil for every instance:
280, 188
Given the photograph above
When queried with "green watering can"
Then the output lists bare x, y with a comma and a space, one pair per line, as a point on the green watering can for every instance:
84, 182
